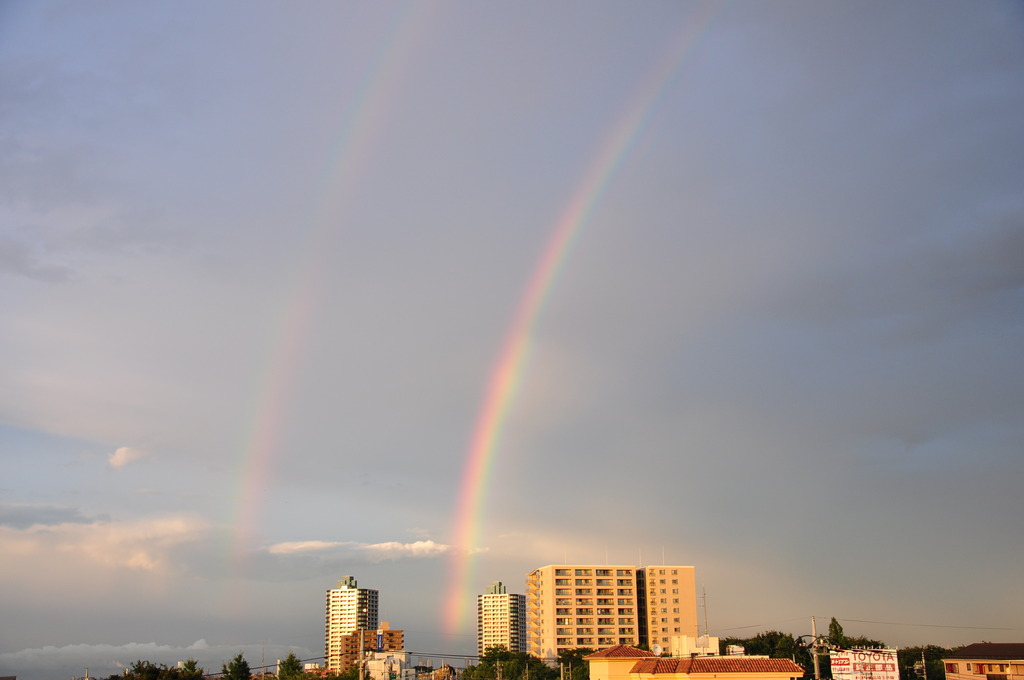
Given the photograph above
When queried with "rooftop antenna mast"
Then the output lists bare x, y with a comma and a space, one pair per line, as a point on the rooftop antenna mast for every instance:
704, 604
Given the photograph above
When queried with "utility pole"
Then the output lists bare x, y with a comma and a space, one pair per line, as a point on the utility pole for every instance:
814, 650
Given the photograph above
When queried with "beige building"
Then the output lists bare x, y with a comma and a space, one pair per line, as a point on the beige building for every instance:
350, 609
671, 607
630, 663
500, 619
986, 661
599, 606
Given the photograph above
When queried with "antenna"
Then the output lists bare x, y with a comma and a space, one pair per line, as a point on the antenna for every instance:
704, 604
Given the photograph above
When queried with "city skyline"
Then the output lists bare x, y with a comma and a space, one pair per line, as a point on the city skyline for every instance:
436, 293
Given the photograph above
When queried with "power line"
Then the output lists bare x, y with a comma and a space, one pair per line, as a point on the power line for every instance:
926, 625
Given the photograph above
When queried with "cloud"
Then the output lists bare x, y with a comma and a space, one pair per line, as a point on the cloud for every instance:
27, 516
389, 550
124, 456
291, 548
144, 545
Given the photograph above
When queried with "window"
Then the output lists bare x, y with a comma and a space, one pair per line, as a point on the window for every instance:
951, 668
561, 572
583, 572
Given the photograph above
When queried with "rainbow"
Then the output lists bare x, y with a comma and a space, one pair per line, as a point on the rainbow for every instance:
507, 371
274, 387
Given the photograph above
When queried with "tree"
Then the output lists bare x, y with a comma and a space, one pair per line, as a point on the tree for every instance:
290, 668
498, 663
144, 670
572, 661
773, 644
836, 635
190, 670
236, 669
933, 655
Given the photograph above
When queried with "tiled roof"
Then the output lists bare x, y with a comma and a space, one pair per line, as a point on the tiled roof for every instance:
990, 650
717, 664
739, 664
618, 652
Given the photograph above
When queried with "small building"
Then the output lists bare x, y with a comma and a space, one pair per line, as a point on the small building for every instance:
631, 663
989, 660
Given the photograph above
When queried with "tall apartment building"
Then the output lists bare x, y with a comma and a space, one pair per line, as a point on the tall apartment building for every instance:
350, 609
599, 606
670, 606
500, 619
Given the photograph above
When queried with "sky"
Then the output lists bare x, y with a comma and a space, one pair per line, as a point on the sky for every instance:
434, 294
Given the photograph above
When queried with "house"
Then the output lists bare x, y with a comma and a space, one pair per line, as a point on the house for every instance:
624, 662
993, 660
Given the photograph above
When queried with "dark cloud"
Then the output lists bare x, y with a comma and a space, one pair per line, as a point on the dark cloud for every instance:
28, 516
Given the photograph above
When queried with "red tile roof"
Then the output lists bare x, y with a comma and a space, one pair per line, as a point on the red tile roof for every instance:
618, 652
717, 664
990, 650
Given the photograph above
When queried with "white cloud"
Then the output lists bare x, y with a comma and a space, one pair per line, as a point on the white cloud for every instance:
144, 545
389, 550
124, 456
395, 550
290, 548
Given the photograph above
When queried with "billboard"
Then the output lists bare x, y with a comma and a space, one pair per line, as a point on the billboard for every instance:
864, 664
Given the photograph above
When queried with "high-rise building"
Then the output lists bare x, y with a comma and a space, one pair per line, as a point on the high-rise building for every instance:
500, 619
599, 606
350, 609
670, 607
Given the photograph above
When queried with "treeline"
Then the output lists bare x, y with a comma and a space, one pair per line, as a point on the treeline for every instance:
498, 663
238, 668
784, 646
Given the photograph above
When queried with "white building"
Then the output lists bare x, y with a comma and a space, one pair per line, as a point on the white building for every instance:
349, 609
500, 619
389, 666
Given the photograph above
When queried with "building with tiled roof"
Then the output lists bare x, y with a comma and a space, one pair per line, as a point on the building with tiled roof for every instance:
986, 661
629, 663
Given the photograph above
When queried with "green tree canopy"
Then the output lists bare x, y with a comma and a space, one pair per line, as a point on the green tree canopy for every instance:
498, 663
290, 668
572, 663
190, 670
237, 669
